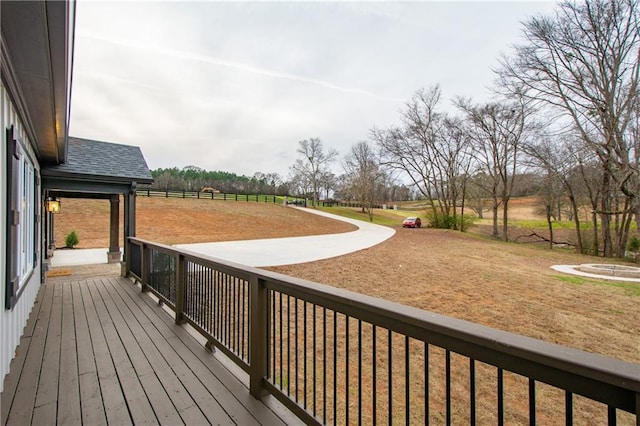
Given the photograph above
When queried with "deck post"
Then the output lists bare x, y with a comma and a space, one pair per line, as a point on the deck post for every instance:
114, 246
129, 215
144, 262
258, 298
180, 290
126, 261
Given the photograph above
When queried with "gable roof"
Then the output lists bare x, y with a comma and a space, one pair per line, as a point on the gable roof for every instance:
104, 161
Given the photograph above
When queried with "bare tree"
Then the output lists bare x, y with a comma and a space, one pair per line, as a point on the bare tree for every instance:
584, 63
562, 163
273, 180
588, 176
328, 183
456, 159
478, 190
497, 130
431, 151
363, 175
313, 164
299, 185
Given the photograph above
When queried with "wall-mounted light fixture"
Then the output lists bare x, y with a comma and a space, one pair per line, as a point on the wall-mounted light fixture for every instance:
53, 205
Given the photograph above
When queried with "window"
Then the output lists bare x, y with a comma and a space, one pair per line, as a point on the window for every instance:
27, 211
22, 214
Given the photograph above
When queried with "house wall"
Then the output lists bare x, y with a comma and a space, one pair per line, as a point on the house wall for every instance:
13, 321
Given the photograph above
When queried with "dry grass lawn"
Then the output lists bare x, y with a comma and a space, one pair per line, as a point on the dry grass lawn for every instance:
502, 285
175, 221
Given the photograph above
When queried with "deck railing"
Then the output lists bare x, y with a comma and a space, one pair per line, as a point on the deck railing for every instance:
333, 356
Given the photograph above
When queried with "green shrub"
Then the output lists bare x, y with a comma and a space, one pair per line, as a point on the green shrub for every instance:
633, 244
441, 221
466, 221
71, 240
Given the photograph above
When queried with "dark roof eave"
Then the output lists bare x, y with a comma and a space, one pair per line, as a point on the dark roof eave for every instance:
38, 37
47, 172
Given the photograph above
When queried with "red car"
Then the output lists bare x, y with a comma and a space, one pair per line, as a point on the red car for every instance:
412, 222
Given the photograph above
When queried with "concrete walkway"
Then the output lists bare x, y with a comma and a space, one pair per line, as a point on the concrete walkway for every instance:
573, 270
261, 253
75, 257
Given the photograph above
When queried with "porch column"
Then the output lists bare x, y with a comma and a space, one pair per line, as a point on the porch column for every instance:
49, 224
130, 212
113, 256
129, 224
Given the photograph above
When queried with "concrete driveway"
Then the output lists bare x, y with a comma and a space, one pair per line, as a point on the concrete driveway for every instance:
260, 253
288, 251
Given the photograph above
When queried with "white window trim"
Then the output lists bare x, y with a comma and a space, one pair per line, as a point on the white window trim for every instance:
27, 228
23, 210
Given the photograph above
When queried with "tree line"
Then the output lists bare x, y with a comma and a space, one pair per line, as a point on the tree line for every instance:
193, 178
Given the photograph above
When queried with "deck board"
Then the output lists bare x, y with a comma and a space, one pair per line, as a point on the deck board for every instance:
137, 402
185, 368
160, 402
114, 404
199, 356
17, 364
97, 351
91, 404
21, 406
69, 383
180, 397
49, 373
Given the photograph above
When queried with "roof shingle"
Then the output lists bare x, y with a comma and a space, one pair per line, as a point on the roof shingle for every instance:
103, 159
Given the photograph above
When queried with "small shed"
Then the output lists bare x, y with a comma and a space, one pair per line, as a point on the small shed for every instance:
98, 170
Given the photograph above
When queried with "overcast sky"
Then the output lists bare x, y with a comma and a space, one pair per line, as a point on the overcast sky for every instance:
234, 86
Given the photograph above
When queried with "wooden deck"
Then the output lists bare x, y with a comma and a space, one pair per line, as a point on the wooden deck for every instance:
97, 351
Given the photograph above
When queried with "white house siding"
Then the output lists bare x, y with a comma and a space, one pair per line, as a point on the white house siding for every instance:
12, 322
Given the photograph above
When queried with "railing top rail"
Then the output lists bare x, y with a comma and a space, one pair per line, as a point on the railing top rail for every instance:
523, 355
231, 268
423, 324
